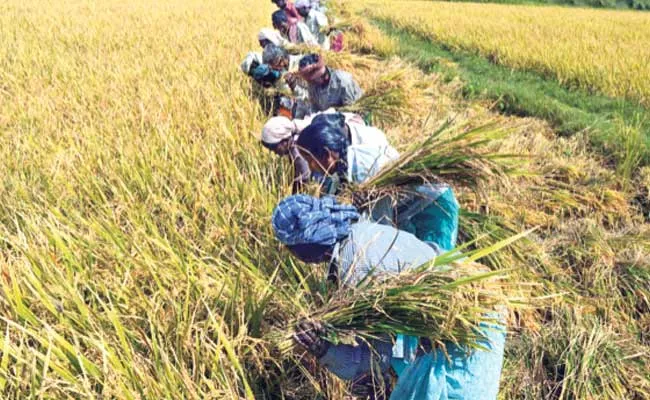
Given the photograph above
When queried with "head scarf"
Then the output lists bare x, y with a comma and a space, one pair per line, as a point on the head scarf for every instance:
248, 62
278, 129
273, 53
271, 35
313, 71
303, 4
265, 73
303, 219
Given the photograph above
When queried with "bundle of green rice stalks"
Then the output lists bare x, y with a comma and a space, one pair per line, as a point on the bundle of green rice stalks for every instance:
456, 155
445, 304
382, 107
394, 92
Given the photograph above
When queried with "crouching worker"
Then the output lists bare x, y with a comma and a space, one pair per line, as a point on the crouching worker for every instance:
351, 153
285, 64
279, 135
316, 21
322, 231
288, 7
293, 30
328, 87
265, 77
268, 36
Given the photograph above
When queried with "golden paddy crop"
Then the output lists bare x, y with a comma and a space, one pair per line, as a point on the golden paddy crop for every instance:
600, 50
136, 255
126, 155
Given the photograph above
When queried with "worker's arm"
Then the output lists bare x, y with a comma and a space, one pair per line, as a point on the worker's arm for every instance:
302, 173
345, 361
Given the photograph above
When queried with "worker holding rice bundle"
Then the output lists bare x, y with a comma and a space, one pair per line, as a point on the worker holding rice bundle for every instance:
351, 154
266, 78
280, 134
281, 61
316, 21
263, 76
321, 230
293, 30
328, 87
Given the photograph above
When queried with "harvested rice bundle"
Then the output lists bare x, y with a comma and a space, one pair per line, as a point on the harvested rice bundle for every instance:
452, 154
393, 95
368, 39
351, 24
444, 304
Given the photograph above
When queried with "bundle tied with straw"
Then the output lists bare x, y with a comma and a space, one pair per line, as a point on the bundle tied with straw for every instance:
444, 304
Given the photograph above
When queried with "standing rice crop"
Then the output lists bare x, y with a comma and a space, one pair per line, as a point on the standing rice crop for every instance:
597, 50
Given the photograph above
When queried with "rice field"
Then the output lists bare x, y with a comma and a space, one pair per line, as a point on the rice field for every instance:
136, 254
133, 192
598, 50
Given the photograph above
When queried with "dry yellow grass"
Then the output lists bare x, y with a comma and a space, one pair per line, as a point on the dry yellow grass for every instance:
600, 50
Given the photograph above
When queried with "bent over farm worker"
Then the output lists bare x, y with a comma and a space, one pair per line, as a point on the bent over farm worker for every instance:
352, 153
288, 8
328, 87
268, 36
316, 5
280, 60
293, 30
279, 135
251, 61
254, 67
316, 21
321, 230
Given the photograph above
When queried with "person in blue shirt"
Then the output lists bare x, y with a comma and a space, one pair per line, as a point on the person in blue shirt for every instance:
323, 231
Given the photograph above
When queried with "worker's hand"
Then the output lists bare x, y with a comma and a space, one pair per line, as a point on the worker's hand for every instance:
291, 79
308, 335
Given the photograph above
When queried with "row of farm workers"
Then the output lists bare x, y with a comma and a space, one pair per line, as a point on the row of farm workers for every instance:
337, 149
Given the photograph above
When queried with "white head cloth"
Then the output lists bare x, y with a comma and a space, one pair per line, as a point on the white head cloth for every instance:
271, 35
278, 129
248, 61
